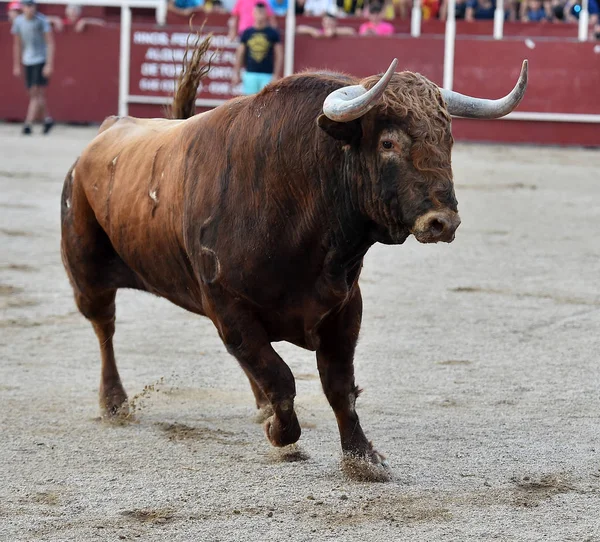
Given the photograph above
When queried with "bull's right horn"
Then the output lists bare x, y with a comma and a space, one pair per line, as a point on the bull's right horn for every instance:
460, 105
350, 103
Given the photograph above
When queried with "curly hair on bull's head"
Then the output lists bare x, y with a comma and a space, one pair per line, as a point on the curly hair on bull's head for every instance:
414, 98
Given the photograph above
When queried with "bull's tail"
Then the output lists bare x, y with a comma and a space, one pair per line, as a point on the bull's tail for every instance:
194, 69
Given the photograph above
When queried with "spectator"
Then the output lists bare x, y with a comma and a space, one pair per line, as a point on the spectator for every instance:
242, 17
73, 19
33, 47
350, 7
329, 28
557, 10
535, 11
260, 52
459, 12
376, 26
401, 8
279, 7
14, 10
185, 7
430, 9
388, 9
320, 7
480, 9
573, 9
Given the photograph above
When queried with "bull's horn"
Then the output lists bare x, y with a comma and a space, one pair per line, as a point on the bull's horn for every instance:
349, 103
460, 105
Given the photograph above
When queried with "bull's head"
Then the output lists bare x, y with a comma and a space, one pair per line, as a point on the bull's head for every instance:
397, 130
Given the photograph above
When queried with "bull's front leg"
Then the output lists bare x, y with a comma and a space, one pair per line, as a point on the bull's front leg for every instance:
271, 378
338, 335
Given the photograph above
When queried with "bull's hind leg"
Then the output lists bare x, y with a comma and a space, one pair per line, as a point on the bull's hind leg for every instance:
100, 311
338, 336
95, 272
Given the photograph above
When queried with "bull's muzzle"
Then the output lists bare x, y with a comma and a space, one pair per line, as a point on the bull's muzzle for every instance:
436, 226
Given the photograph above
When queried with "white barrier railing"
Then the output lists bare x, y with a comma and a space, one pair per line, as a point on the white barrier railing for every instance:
584, 21
499, 20
415, 19
290, 38
449, 39
124, 59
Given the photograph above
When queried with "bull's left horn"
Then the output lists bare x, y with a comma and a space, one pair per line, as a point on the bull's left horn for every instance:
460, 105
349, 103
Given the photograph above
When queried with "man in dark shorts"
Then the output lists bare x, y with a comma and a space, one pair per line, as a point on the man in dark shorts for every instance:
260, 52
33, 47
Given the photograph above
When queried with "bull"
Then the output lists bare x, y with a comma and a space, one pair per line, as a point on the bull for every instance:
258, 214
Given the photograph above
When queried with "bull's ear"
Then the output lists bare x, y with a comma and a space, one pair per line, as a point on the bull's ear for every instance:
342, 131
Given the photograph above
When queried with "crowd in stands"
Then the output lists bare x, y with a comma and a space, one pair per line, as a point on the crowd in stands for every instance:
380, 14
470, 10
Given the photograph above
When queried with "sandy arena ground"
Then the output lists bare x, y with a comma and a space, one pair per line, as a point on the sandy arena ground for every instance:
479, 362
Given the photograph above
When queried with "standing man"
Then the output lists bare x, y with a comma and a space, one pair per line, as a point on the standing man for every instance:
33, 47
260, 52
242, 16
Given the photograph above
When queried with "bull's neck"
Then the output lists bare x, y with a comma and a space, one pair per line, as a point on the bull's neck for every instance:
348, 236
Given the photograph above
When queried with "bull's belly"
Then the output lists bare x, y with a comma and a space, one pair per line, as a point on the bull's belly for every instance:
297, 321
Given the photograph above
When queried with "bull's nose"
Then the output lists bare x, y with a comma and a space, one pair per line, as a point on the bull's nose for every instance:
436, 226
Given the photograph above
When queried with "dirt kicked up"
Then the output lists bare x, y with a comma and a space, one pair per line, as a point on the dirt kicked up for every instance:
479, 362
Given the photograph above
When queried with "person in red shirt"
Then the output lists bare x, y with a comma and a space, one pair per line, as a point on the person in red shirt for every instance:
376, 26
430, 9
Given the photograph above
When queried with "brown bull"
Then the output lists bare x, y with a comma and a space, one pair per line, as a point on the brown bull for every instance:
258, 214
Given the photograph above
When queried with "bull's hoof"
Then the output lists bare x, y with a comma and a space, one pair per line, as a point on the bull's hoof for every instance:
280, 435
370, 466
263, 414
113, 403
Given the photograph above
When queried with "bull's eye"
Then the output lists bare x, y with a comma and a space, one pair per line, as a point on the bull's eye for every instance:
387, 144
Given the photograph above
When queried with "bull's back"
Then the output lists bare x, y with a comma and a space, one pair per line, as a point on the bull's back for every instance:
131, 176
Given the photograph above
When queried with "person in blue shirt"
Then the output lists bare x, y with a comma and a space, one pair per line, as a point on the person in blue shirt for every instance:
535, 11
480, 9
33, 53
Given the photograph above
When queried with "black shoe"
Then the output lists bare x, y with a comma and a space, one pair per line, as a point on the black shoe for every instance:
26, 129
48, 124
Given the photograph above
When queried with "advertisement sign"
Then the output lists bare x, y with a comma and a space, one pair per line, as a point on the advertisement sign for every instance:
157, 57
